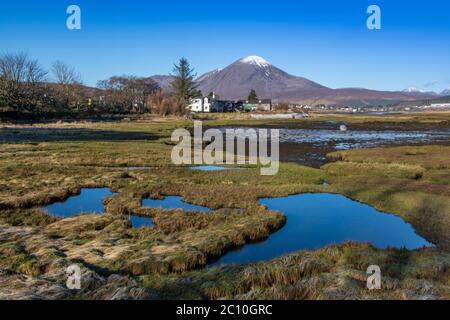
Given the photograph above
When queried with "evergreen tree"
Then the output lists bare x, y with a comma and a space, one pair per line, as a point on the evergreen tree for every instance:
252, 97
183, 87
213, 95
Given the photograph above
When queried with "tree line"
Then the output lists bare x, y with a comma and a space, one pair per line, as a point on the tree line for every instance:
26, 87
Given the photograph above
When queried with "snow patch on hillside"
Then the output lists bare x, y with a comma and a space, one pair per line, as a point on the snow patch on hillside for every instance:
255, 60
413, 90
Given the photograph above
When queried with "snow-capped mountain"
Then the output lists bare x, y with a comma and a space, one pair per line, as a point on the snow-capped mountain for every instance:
446, 92
255, 60
413, 90
254, 72
419, 92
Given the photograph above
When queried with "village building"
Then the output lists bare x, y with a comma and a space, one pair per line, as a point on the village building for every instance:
211, 104
259, 105
440, 105
201, 104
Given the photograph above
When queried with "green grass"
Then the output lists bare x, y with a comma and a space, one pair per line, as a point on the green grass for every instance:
47, 163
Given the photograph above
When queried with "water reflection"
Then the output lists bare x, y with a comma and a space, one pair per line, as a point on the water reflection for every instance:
317, 220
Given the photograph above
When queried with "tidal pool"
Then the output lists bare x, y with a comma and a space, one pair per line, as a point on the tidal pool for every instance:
212, 168
311, 146
317, 220
354, 139
140, 222
137, 168
89, 200
172, 203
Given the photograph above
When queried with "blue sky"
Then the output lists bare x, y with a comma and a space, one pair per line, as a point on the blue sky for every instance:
325, 41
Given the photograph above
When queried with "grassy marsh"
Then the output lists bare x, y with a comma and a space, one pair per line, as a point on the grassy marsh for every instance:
45, 163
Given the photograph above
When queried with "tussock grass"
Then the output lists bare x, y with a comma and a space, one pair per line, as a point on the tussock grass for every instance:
30, 217
43, 165
16, 259
390, 170
315, 275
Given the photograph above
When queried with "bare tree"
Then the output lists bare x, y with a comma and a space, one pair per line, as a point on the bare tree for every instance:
127, 93
164, 104
65, 74
68, 83
117, 98
142, 88
17, 68
35, 74
22, 81
12, 67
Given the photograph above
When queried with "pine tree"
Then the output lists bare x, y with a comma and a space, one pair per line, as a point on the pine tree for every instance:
183, 86
252, 97
212, 95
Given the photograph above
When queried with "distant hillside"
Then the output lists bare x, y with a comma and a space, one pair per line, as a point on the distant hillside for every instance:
424, 102
163, 81
236, 80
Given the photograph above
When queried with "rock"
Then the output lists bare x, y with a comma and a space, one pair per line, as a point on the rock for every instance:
441, 268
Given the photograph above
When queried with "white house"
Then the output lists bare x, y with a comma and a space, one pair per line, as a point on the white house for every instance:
201, 104
196, 105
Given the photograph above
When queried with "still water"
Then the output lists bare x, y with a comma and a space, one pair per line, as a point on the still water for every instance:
359, 138
212, 168
140, 222
172, 203
317, 220
90, 200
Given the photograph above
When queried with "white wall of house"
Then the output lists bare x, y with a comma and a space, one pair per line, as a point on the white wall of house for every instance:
201, 105
207, 104
196, 105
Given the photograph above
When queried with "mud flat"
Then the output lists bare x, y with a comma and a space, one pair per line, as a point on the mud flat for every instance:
309, 146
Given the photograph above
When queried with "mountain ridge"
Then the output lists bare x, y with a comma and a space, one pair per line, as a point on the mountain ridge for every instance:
235, 81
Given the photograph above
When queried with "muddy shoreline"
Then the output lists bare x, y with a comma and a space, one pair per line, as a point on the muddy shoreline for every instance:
314, 154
